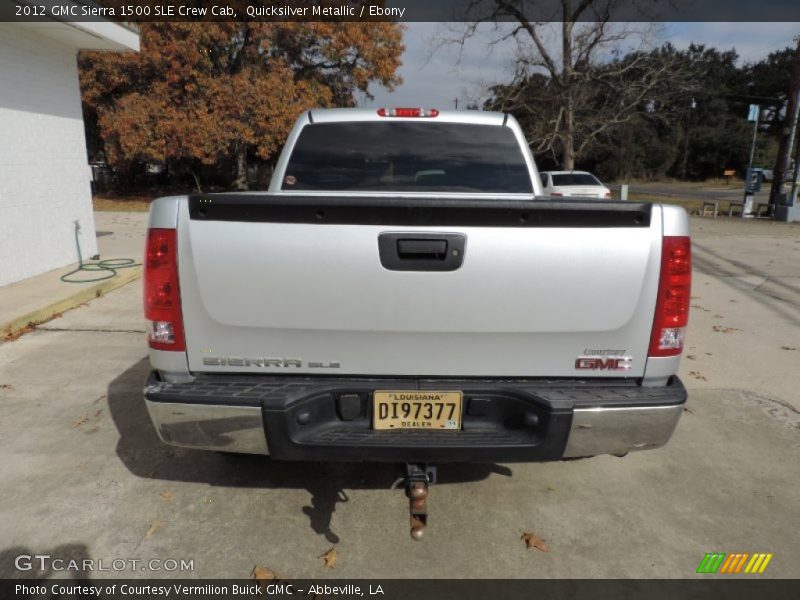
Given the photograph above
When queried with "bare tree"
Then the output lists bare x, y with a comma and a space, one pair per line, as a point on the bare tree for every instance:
590, 87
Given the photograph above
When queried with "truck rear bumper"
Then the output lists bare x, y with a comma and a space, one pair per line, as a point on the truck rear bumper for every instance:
504, 420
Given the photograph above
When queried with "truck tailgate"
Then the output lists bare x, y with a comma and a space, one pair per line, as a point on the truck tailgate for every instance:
296, 284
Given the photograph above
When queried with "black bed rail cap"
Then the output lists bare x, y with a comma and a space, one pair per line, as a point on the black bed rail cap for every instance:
462, 211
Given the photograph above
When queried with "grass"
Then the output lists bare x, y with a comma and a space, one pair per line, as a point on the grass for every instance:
690, 204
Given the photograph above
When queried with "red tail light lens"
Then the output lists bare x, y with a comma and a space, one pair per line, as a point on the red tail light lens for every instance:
407, 112
674, 289
162, 298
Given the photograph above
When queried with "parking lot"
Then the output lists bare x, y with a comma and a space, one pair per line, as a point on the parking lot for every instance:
85, 476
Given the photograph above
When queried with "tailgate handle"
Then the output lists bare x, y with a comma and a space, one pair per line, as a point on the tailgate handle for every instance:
413, 251
422, 249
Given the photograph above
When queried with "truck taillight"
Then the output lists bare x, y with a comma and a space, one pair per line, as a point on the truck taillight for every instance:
162, 299
672, 304
407, 112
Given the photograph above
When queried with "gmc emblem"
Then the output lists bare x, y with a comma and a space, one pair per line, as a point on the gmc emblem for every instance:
607, 363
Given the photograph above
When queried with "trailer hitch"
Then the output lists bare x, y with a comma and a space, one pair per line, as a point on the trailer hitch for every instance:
416, 478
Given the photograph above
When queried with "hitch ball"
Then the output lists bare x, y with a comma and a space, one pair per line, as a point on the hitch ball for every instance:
418, 491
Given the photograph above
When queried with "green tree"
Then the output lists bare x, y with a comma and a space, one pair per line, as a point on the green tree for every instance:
622, 100
589, 90
689, 123
767, 82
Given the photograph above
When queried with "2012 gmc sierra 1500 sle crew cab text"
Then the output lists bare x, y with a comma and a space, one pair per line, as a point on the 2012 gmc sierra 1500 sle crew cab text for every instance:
404, 293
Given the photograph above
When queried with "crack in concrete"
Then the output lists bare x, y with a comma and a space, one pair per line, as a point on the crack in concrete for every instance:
95, 330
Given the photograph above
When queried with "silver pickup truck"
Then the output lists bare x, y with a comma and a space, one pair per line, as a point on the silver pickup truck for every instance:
403, 293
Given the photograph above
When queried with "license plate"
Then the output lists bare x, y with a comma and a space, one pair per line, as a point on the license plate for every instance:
416, 410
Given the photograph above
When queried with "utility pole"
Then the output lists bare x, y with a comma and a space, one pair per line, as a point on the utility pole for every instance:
783, 162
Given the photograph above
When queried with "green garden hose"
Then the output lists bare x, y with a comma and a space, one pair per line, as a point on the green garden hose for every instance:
109, 266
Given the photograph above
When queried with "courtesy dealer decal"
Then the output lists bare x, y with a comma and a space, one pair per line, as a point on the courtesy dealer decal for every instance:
60, 589
734, 563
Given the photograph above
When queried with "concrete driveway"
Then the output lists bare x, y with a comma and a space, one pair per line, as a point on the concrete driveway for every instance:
84, 475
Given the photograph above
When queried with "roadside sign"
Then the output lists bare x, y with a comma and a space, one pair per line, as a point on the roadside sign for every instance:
752, 116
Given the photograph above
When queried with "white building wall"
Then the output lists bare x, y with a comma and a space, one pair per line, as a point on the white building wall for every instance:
44, 175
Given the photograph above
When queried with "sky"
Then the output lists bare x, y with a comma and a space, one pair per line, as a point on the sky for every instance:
434, 75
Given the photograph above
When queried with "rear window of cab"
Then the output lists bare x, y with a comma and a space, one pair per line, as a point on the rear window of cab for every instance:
407, 156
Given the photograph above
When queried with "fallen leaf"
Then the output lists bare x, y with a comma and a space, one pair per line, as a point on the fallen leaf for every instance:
691, 357
721, 329
698, 375
688, 410
154, 526
6, 386
262, 575
789, 348
80, 421
551, 489
97, 413
167, 496
534, 541
330, 557
96, 400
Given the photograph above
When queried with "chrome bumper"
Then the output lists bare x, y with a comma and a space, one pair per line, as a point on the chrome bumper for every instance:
238, 429
241, 429
617, 430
